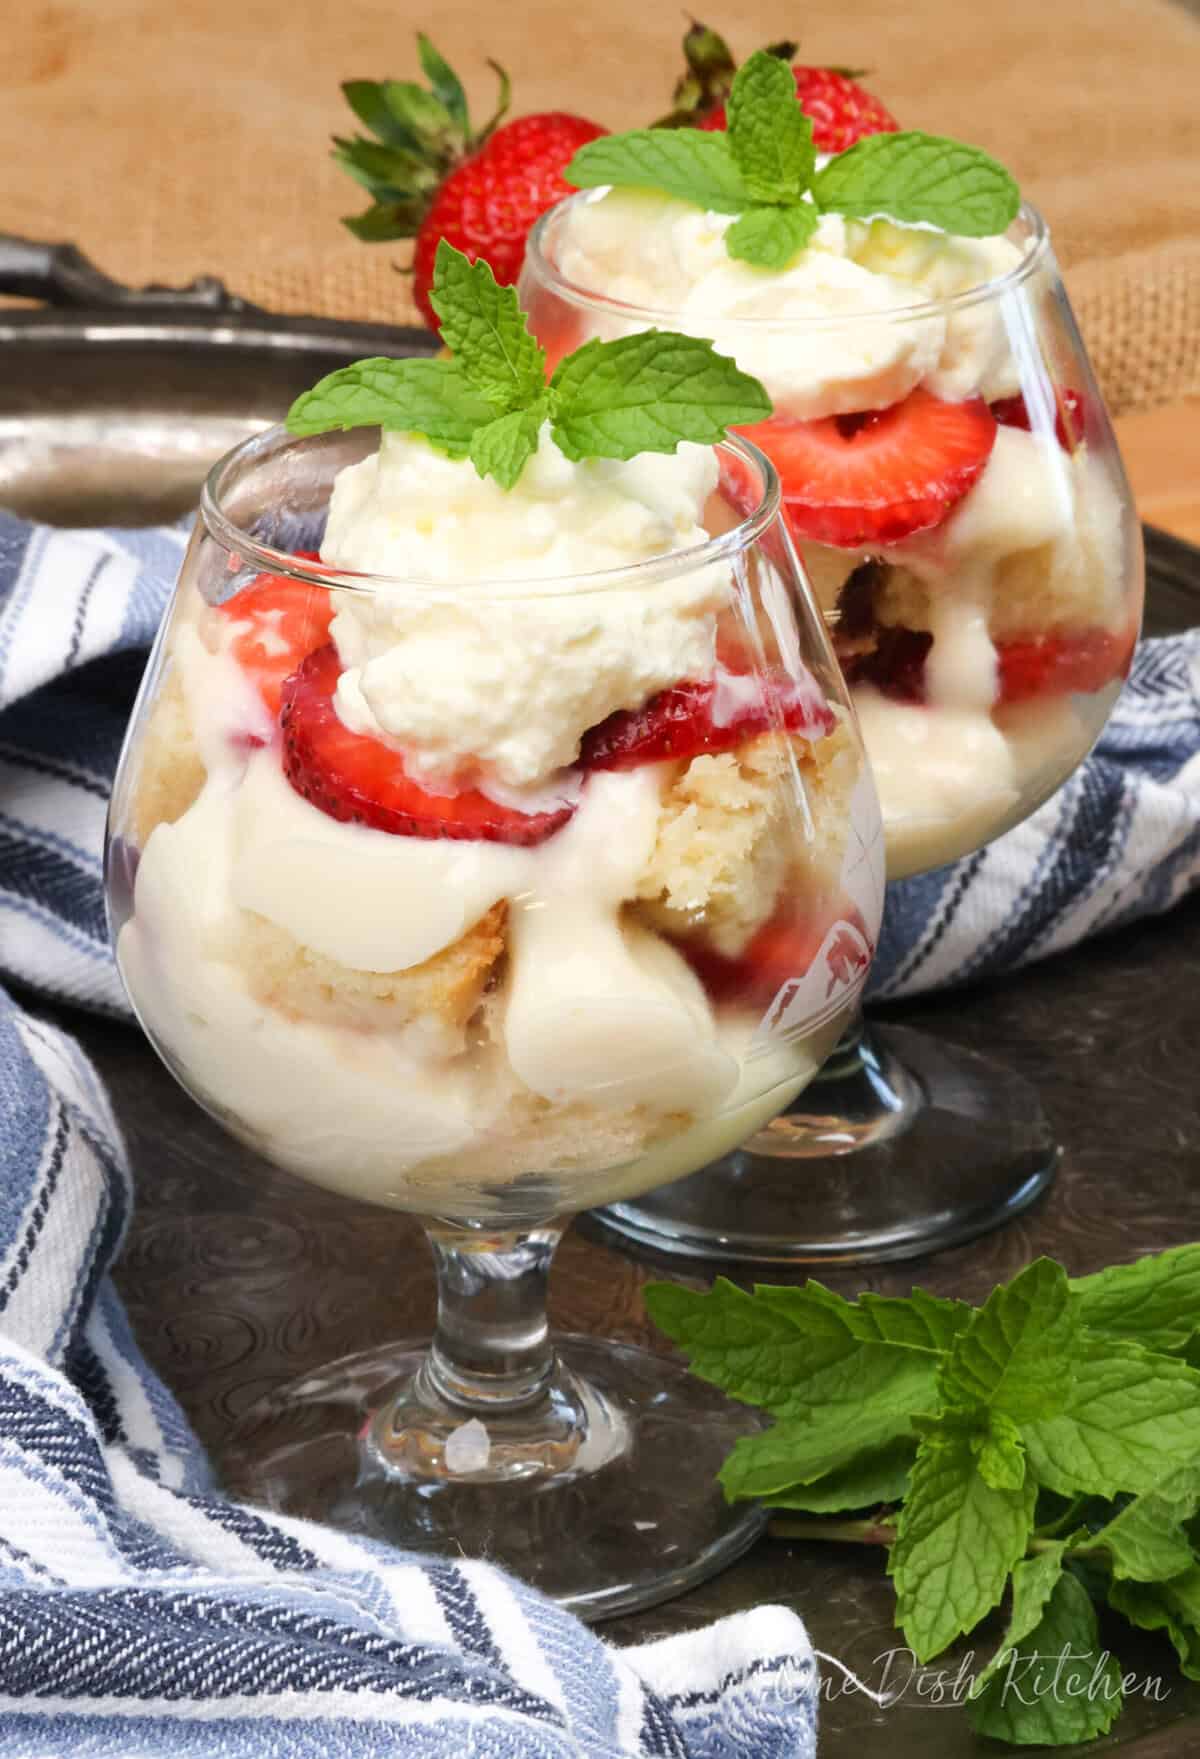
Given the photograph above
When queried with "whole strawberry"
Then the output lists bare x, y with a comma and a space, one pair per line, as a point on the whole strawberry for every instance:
431, 177
841, 110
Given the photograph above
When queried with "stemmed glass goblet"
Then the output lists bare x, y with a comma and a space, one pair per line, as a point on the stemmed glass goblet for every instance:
984, 624
491, 1037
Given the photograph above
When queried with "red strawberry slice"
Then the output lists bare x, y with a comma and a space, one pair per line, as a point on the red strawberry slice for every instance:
783, 949
359, 780
1061, 665
1070, 422
857, 480
697, 718
283, 621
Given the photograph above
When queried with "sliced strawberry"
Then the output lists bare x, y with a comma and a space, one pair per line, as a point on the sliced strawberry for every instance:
1061, 665
857, 480
283, 621
693, 719
783, 949
360, 780
1070, 422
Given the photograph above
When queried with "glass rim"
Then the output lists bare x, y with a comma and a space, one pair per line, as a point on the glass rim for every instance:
539, 264
235, 540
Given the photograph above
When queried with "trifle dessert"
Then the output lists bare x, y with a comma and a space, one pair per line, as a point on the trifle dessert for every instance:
948, 470
508, 848
493, 838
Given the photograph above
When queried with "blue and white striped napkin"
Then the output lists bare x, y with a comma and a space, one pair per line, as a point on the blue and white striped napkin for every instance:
140, 1612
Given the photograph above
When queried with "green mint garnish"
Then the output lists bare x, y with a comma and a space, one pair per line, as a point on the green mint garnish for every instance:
684, 162
762, 168
919, 178
1046, 1444
643, 393
769, 135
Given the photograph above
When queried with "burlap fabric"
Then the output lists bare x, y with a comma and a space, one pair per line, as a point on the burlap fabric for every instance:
171, 138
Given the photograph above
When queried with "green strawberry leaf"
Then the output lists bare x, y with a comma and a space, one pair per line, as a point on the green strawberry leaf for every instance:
1055, 1685
646, 393
1147, 1541
1017, 1352
801, 1450
444, 83
383, 222
683, 162
1131, 1417
874, 1476
429, 397
421, 115
365, 97
770, 137
1154, 1301
919, 178
789, 1351
386, 172
485, 330
504, 446
770, 237
957, 1539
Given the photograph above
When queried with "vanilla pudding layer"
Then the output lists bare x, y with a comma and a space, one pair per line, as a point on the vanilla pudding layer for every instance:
470, 1028
1037, 549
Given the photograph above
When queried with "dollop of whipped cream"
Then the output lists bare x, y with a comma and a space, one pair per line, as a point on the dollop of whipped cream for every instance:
842, 344
486, 687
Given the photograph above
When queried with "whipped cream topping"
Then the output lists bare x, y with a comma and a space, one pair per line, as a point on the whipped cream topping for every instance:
857, 278
483, 689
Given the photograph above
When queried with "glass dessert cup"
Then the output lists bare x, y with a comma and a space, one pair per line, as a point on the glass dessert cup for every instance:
492, 1035
985, 626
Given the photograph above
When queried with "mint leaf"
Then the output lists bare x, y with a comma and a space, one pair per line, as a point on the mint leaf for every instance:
1173, 1607
1155, 1301
683, 162
1033, 1582
922, 1321
770, 237
1016, 1353
646, 393
1147, 1541
920, 178
503, 448
802, 1449
770, 137
1000, 1454
430, 397
1055, 1686
877, 1475
446, 86
957, 1539
1131, 1418
484, 328
788, 1358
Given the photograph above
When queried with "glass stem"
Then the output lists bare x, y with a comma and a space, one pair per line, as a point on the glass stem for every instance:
491, 1346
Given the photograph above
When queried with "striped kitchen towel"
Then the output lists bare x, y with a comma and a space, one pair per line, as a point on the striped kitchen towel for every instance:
141, 1613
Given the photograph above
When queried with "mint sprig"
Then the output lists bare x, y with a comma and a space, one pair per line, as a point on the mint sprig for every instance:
763, 169
489, 401
1045, 1446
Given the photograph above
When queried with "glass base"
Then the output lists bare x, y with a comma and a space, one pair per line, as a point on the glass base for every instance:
902, 1146
606, 1499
